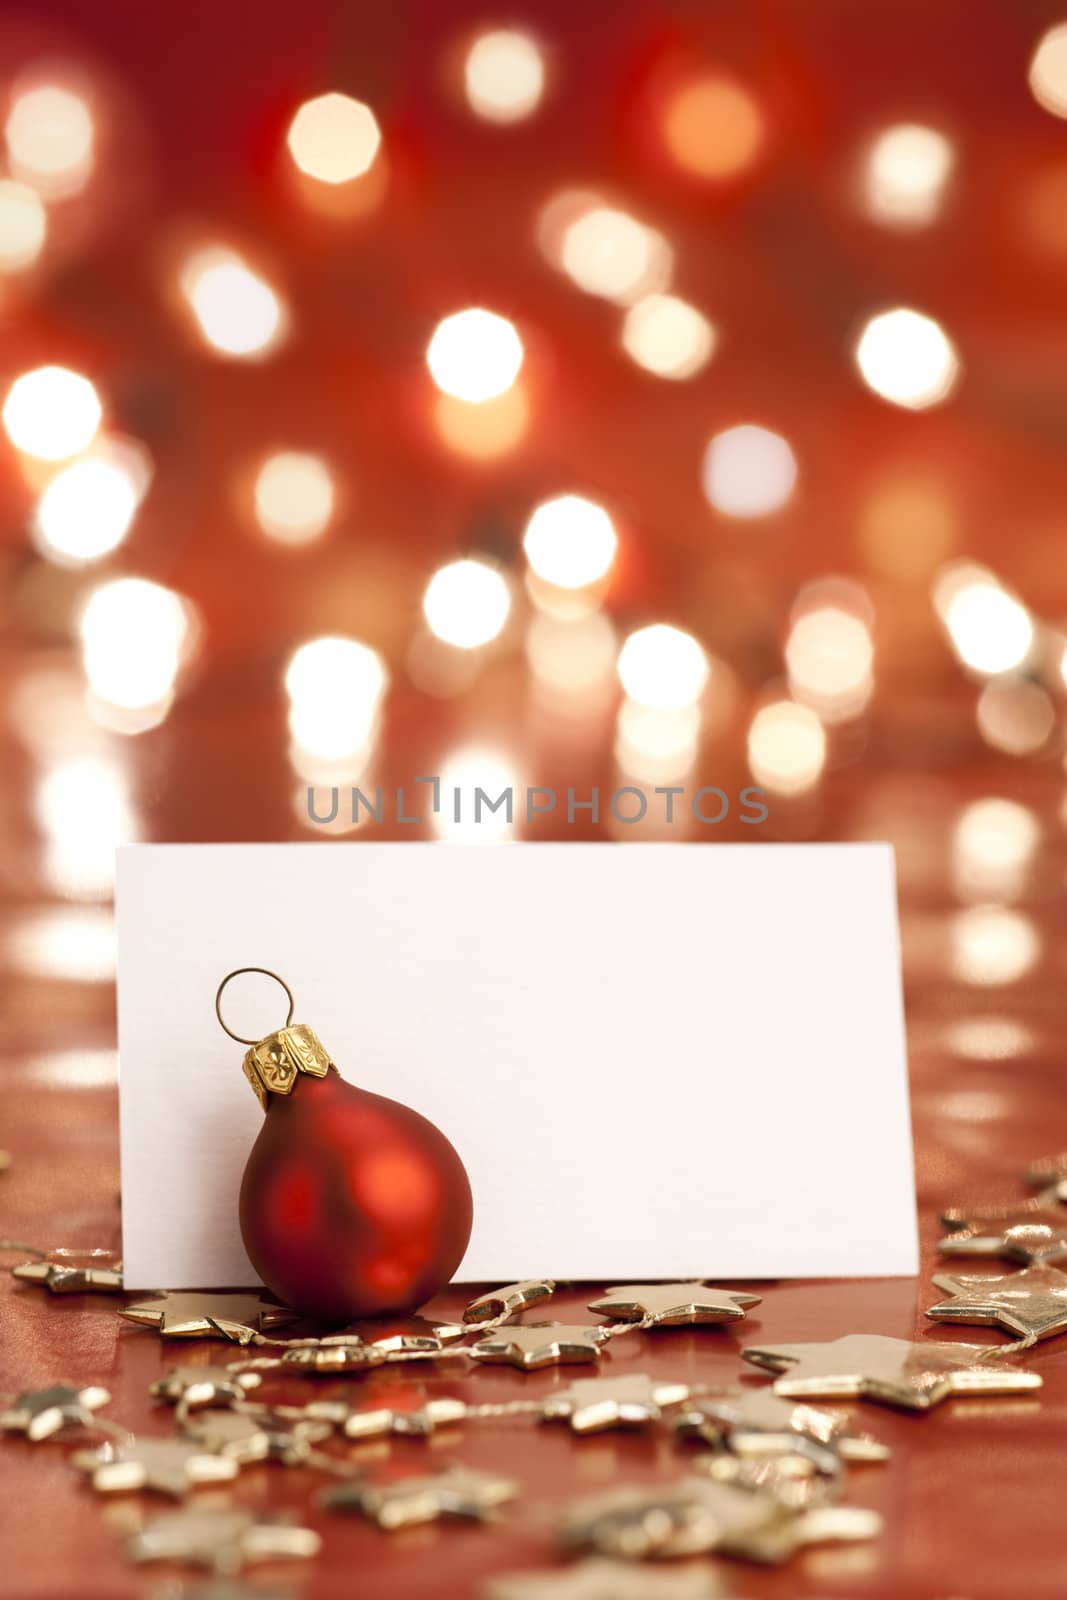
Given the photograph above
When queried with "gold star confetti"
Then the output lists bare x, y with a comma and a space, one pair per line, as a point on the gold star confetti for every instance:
897, 1372
60, 1277
224, 1540
327, 1360
598, 1579
1032, 1304
192, 1315
673, 1305
541, 1344
41, 1413
761, 1424
696, 1515
169, 1466
456, 1492
514, 1297
632, 1522
1028, 1235
787, 1478
593, 1404
247, 1437
419, 1422
204, 1386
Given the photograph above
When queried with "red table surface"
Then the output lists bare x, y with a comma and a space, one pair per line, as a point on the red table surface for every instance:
970, 1497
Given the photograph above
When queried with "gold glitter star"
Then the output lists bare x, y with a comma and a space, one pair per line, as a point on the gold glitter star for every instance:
540, 1344
1027, 1234
761, 1423
505, 1302
897, 1372
419, 1423
170, 1466
672, 1305
40, 1413
204, 1386
597, 1579
224, 1540
456, 1492
632, 1522
697, 1515
244, 1437
193, 1315
327, 1359
1032, 1304
60, 1278
592, 1404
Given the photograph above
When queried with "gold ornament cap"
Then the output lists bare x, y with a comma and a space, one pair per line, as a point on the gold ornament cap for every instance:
274, 1063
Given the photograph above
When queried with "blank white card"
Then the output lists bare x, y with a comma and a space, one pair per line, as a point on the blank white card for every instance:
656, 1061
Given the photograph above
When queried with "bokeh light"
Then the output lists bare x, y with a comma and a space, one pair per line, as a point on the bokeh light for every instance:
333, 138
76, 943
570, 541
713, 127
83, 808
51, 413
656, 746
907, 359
23, 225
1015, 715
294, 497
482, 430
993, 846
607, 252
466, 604
335, 687
87, 509
134, 634
748, 471
908, 525
908, 167
572, 655
829, 655
504, 75
991, 631
49, 136
992, 945
786, 747
238, 312
475, 355
668, 336
1048, 71
663, 667
467, 817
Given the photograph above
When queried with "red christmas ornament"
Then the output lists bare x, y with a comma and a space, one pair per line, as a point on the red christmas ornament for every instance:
351, 1205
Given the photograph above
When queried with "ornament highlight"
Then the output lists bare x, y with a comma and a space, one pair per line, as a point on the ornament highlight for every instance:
351, 1205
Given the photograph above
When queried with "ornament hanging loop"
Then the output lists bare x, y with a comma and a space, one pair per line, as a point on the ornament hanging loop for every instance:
236, 973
